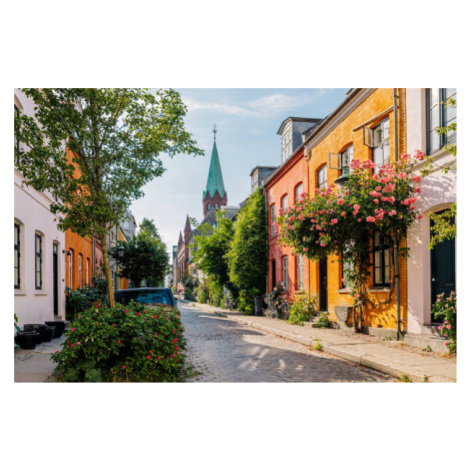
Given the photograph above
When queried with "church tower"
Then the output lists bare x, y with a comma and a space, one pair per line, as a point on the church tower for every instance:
215, 195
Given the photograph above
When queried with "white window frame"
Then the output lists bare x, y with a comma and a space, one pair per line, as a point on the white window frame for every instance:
284, 202
285, 272
273, 219
80, 263
17, 246
322, 170
299, 189
70, 269
87, 271
300, 271
38, 255
380, 144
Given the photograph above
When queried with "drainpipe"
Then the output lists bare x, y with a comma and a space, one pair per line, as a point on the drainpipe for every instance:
395, 241
93, 258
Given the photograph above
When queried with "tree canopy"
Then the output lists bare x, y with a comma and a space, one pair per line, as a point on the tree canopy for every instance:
94, 149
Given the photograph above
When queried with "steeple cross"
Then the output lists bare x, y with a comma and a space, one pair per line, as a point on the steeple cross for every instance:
214, 131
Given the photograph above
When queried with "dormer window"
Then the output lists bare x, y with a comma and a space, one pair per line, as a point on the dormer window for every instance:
286, 145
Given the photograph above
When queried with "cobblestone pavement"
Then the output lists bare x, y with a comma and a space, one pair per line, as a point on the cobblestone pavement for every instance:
222, 350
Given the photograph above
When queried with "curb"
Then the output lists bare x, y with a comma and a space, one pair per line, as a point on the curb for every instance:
394, 370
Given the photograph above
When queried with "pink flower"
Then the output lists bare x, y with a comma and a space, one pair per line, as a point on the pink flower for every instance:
78, 343
305, 250
359, 220
446, 343
356, 207
340, 202
370, 219
392, 212
335, 221
343, 214
449, 327
148, 357
119, 341
322, 244
123, 367
419, 155
416, 179
445, 334
127, 311
376, 201
441, 327
72, 345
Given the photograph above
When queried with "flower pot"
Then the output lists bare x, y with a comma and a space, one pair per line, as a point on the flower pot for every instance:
27, 339
39, 328
49, 333
59, 327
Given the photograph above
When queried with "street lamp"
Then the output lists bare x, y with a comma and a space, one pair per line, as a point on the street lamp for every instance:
120, 251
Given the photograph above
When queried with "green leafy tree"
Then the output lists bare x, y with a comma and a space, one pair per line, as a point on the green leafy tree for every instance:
148, 225
210, 249
115, 135
145, 258
248, 253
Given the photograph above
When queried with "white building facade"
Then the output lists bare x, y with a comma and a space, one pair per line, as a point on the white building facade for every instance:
430, 272
39, 261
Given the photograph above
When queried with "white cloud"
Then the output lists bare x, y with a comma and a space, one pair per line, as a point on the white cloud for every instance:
266, 106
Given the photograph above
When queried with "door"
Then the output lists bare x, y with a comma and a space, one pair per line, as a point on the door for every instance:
55, 276
323, 272
442, 269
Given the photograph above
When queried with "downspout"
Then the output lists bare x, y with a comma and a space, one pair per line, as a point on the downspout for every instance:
395, 241
93, 257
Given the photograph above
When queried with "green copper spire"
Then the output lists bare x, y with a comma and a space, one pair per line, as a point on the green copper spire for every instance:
215, 182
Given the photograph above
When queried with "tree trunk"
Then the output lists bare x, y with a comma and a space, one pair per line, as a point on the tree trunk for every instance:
107, 270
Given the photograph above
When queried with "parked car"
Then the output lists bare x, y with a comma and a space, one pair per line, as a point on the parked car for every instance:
152, 296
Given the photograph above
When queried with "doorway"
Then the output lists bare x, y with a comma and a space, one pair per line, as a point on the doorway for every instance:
55, 279
323, 274
442, 270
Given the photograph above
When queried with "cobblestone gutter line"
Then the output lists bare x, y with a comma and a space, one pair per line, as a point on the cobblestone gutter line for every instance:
399, 370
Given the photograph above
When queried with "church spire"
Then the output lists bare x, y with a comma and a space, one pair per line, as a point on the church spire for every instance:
215, 181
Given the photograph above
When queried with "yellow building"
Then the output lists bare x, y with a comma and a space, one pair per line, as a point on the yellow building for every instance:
362, 127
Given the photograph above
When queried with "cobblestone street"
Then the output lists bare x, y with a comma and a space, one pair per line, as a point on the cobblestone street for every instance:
222, 350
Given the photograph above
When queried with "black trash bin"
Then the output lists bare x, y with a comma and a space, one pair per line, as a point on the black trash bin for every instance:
50, 333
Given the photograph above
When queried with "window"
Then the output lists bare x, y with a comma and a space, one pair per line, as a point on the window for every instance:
299, 189
346, 267
286, 146
87, 273
38, 261
70, 256
216, 206
17, 257
440, 116
346, 158
300, 272
273, 219
80, 259
285, 273
382, 259
208, 207
381, 144
321, 177
284, 203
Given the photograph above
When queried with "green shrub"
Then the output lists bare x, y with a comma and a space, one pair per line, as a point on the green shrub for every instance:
202, 293
322, 321
80, 299
446, 309
302, 309
122, 344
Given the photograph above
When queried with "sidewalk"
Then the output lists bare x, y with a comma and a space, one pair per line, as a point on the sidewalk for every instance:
34, 365
391, 357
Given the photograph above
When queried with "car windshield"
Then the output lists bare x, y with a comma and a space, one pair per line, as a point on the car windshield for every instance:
144, 297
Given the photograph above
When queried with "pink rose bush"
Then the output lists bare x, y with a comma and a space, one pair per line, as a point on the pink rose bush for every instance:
342, 220
446, 310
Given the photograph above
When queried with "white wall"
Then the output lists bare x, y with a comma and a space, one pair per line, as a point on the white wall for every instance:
439, 191
32, 213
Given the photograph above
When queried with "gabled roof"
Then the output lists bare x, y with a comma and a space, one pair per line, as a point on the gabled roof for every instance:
215, 181
187, 227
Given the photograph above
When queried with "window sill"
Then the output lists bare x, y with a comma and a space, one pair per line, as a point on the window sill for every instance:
20, 292
40, 292
380, 289
344, 290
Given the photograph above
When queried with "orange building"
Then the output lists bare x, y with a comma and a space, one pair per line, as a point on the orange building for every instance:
83, 254
362, 127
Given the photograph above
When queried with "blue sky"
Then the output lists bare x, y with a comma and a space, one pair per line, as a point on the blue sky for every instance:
247, 120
